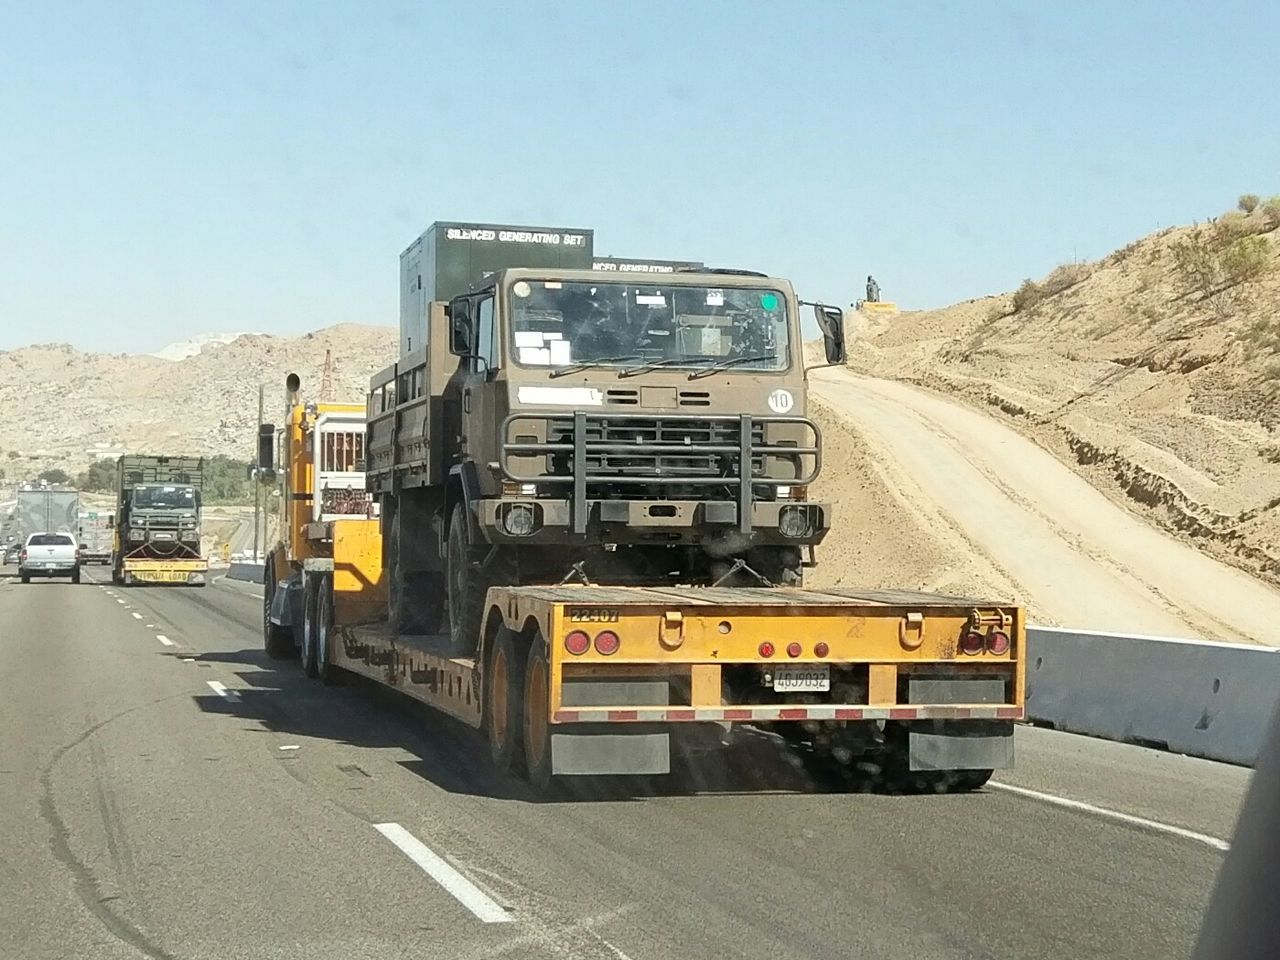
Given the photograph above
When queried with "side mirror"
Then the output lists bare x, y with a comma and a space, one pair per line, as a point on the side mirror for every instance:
831, 323
460, 328
266, 447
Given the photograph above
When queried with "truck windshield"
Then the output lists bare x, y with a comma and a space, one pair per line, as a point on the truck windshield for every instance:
559, 323
165, 497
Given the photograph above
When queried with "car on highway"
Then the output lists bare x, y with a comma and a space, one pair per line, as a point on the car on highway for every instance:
50, 555
12, 553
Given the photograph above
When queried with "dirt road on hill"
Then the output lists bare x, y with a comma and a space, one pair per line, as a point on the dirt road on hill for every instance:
1073, 556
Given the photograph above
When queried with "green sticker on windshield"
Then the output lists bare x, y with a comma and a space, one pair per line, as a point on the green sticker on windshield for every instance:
769, 301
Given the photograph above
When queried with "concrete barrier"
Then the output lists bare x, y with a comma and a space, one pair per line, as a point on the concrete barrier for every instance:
1204, 699
250, 572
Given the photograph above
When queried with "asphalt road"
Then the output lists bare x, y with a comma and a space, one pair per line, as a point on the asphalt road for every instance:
190, 798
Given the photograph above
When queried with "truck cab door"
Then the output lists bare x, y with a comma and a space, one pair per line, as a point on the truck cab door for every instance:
480, 408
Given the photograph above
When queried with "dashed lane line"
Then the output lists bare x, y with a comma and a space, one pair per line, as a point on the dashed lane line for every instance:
463, 890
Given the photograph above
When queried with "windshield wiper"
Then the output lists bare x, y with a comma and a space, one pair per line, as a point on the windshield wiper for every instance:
728, 362
574, 367
664, 362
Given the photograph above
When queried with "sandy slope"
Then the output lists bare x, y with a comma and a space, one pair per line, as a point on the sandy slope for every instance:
974, 497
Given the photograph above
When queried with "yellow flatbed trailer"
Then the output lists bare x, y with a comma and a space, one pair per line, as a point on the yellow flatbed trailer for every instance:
581, 679
142, 571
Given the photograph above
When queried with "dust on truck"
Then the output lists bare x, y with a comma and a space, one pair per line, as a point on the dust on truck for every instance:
590, 523
157, 521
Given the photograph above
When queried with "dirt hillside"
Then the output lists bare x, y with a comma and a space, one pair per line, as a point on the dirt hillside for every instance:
79, 405
1155, 372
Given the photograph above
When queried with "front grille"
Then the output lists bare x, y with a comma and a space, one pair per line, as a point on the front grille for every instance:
690, 438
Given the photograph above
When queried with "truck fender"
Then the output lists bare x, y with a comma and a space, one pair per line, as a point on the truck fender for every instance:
464, 485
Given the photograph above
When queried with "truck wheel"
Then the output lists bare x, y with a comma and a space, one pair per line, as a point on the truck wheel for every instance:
75, 575
504, 681
466, 587
276, 640
310, 602
325, 670
536, 721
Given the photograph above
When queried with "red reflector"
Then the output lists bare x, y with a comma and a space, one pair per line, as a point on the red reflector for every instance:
737, 713
793, 713
972, 642
820, 649
766, 649
577, 643
793, 649
607, 642
997, 642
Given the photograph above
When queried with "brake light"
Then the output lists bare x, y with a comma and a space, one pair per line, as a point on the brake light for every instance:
972, 642
23, 554
577, 643
793, 649
820, 649
998, 642
607, 642
766, 649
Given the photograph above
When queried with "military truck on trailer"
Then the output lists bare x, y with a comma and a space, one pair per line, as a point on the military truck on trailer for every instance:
591, 492
157, 521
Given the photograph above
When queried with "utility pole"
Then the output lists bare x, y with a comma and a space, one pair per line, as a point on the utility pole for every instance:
257, 481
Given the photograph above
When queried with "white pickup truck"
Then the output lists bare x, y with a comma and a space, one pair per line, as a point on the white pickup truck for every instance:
50, 555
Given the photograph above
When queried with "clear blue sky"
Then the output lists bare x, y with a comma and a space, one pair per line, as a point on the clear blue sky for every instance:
173, 168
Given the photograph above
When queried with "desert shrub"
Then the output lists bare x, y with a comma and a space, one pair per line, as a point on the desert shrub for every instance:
1248, 202
1271, 212
1271, 452
1245, 259
1064, 276
1027, 296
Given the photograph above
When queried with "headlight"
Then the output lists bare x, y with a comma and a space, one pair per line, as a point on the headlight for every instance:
518, 519
136, 534
795, 522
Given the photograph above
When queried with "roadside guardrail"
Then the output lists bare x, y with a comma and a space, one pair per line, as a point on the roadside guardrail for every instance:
249, 572
1201, 698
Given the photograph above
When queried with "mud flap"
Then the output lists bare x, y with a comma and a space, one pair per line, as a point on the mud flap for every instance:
970, 745
286, 603
582, 751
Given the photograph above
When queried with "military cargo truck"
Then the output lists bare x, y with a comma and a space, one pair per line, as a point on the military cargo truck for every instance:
548, 422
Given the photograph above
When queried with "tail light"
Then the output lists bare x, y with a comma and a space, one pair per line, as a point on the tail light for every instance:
23, 554
820, 649
577, 643
766, 649
997, 642
607, 642
972, 642
793, 649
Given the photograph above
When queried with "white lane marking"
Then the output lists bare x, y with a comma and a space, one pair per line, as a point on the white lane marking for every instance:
118, 600
137, 615
163, 639
151, 626
462, 889
188, 659
1216, 842
289, 746
222, 691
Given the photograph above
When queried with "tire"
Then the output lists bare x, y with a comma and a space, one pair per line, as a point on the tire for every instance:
310, 602
75, 575
26, 577
466, 587
504, 684
416, 601
277, 641
535, 725
325, 670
